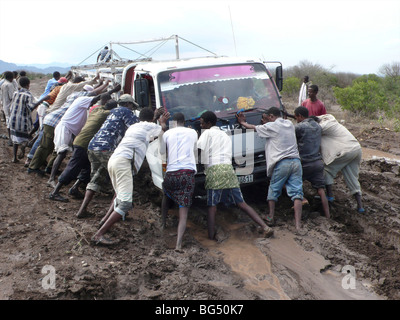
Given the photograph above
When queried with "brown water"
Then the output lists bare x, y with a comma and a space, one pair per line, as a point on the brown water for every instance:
371, 153
279, 268
245, 259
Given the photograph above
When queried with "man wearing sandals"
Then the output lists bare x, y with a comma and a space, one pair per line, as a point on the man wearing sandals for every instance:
283, 161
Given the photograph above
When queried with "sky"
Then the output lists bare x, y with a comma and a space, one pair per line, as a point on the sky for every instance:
356, 36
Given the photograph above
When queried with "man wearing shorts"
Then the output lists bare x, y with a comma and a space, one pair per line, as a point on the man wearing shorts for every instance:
283, 161
221, 184
180, 145
308, 135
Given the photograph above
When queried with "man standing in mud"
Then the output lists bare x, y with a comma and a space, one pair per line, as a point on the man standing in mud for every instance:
283, 161
308, 135
103, 144
7, 92
341, 152
180, 145
124, 164
221, 184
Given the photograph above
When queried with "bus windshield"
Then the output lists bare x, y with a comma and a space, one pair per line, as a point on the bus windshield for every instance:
221, 89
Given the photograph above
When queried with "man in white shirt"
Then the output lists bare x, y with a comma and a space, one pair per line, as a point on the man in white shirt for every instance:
221, 184
7, 91
124, 164
283, 161
303, 94
180, 145
71, 124
75, 85
341, 152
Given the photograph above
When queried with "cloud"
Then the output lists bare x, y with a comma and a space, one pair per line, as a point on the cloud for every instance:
325, 32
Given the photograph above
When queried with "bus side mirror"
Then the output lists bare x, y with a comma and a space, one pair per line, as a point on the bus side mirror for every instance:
142, 92
279, 77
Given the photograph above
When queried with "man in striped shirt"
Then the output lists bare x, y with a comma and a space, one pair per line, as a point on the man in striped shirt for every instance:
20, 121
44, 104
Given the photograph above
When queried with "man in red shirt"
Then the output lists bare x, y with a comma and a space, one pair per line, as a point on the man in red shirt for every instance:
315, 107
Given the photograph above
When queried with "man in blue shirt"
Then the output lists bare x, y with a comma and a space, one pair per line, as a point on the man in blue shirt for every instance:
50, 84
103, 145
104, 55
308, 134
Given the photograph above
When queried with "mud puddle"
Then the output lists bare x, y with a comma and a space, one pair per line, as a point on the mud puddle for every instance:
283, 267
306, 274
369, 154
241, 254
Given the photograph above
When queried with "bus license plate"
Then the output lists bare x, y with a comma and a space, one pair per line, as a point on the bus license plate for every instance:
246, 179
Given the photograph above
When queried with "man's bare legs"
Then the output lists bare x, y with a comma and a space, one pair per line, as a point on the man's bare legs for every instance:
271, 209
56, 165
325, 203
212, 210
255, 217
110, 210
112, 219
211, 222
357, 197
166, 204
183, 212
15, 151
298, 209
89, 194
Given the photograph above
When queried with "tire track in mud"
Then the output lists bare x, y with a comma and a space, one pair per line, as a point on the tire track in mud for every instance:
314, 271
283, 267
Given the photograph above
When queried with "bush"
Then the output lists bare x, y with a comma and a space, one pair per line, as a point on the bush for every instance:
365, 97
368, 77
291, 87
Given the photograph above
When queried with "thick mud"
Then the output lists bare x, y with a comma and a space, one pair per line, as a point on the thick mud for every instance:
40, 238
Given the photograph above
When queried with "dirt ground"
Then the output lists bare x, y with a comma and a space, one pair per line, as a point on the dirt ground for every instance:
38, 235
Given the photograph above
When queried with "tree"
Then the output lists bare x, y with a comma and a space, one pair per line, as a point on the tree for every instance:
391, 70
305, 68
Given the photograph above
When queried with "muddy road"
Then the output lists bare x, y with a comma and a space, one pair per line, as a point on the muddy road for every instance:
40, 238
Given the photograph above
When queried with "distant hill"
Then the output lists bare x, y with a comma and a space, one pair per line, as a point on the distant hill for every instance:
45, 69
